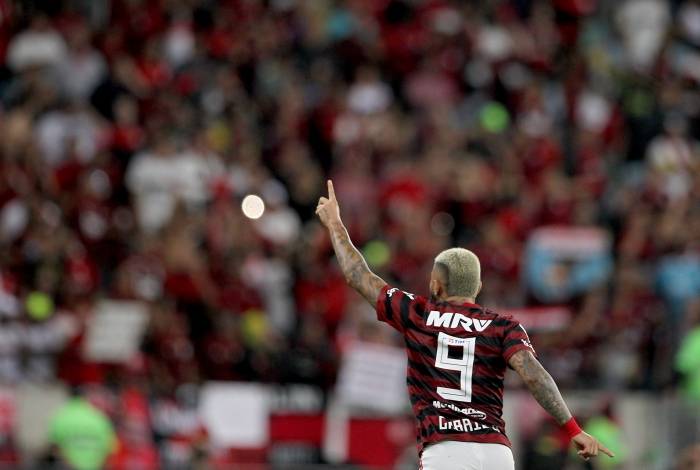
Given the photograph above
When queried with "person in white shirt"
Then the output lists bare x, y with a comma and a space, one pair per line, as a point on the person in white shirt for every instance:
39, 45
83, 68
162, 175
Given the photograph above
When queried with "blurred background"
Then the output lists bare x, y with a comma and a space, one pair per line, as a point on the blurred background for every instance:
168, 299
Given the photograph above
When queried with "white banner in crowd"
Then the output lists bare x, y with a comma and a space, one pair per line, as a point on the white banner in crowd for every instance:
236, 414
572, 242
373, 376
115, 331
541, 319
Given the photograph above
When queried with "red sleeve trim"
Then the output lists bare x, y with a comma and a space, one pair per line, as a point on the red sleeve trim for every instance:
572, 428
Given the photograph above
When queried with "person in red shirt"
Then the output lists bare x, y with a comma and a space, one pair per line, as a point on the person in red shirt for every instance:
457, 357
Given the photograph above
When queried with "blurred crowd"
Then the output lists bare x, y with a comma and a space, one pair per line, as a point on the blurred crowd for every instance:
132, 130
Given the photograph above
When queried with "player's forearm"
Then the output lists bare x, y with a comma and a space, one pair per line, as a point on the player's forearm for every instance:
351, 261
541, 385
353, 264
548, 396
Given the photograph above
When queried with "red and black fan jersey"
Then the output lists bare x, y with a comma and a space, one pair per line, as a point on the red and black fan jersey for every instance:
457, 358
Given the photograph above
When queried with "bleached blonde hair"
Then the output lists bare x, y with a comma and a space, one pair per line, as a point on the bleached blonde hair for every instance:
462, 271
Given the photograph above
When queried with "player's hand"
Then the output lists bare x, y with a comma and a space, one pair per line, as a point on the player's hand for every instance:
327, 209
588, 446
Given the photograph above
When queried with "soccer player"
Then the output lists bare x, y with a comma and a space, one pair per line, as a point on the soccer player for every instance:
457, 357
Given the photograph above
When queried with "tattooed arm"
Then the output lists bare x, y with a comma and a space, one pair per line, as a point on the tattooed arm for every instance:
353, 265
546, 392
540, 384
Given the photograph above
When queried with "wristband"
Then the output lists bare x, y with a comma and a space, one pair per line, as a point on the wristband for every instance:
571, 427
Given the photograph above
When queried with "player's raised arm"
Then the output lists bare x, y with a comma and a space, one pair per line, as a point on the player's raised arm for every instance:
546, 392
353, 265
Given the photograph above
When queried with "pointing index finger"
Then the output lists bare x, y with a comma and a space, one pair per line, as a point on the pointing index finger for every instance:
607, 451
331, 192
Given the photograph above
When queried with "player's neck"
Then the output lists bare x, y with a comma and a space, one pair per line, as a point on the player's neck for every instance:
454, 299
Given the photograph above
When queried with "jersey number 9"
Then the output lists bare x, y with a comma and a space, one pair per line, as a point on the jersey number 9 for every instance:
464, 365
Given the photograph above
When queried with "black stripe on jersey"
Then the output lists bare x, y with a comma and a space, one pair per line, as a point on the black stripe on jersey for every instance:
423, 369
419, 348
493, 362
415, 398
485, 399
430, 429
415, 382
404, 311
421, 335
511, 343
490, 341
501, 321
387, 308
420, 313
487, 382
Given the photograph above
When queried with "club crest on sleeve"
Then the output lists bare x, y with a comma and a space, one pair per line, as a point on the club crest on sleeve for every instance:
393, 290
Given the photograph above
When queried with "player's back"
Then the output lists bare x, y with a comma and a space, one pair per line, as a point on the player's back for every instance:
457, 358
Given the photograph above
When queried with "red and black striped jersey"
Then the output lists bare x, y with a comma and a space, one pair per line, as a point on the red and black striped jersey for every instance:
457, 359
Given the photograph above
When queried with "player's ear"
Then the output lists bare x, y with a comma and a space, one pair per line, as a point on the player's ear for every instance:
437, 286
437, 290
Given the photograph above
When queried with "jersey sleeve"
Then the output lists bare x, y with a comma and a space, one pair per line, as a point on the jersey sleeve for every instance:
397, 307
516, 339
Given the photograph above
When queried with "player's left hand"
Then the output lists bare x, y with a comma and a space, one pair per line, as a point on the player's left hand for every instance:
588, 446
327, 209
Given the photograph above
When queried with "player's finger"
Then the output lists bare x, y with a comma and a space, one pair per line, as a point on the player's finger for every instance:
606, 451
322, 200
331, 191
593, 450
587, 451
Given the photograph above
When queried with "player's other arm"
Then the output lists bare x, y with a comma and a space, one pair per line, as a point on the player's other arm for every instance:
351, 261
547, 394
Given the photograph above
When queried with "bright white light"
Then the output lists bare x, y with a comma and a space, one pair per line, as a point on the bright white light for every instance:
253, 206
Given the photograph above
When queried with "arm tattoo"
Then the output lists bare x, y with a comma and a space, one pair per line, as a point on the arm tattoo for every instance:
354, 266
541, 385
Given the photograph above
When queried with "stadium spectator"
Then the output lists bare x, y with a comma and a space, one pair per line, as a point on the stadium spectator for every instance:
687, 362
82, 434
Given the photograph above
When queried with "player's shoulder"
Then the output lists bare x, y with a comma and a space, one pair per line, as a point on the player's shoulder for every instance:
395, 292
501, 319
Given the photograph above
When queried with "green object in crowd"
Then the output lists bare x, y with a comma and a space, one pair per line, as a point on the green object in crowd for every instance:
639, 102
377, 253
494, 117
688, 363
83, 434
219, 136
610, 435
254, 326
39, 306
